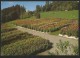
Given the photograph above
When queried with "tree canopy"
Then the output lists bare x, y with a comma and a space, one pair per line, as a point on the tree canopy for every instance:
17, 11
12, 13
59, 6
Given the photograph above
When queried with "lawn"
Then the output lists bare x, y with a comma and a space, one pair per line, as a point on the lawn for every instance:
60, 14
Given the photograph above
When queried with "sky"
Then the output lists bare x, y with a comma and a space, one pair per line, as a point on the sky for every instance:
29, 5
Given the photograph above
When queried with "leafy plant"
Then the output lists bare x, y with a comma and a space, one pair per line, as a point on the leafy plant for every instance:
65, 48
29, 46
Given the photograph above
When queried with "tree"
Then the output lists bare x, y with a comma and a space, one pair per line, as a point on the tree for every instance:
12, 13
38, 8
47, 6
60, 5
37, 15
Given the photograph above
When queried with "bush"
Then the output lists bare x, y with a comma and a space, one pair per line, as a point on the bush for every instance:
12, 36
7, 29
29, 46
65, 48
37, 15
71, 30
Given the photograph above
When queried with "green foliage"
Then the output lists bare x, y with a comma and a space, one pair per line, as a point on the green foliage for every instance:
12, 13
65, 48
37, 15
47, 7
6, 27
58, 28
62, 46
26, 15
71, 30
60, 5
11, 36
7, 30
52, 25
29, 46
38, 8
54, 29
15, 42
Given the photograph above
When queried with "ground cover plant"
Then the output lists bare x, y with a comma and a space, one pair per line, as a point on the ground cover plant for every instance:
43, 24
12, 36
50, 25
29, 46
15, 42
71, 30
65, 48
7, 27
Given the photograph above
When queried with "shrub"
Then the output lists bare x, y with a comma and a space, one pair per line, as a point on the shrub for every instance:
71, 30
37, 15
62, 46
12, 36
7, 29
29, 46
65, 48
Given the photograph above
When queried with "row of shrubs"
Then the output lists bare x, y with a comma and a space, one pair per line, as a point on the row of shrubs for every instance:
12, 36
71, 33
71, 30
7, 29
9, 33
41, 24
15, 42
46, 30
30, 46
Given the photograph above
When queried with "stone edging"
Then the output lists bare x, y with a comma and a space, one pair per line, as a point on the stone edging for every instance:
72, 37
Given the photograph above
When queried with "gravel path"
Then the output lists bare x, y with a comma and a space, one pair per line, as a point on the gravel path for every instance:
52, 38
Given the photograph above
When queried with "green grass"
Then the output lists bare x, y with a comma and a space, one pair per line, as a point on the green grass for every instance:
73, 14
31, 18
55, 33
60, 14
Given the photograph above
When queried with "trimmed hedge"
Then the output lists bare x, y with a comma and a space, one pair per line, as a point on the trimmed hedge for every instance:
29, 46
7, 29
12, 36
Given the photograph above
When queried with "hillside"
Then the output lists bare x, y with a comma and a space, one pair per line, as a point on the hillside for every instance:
60, 14
46, 28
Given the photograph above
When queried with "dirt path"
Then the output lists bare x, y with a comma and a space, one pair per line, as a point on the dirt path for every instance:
52, 38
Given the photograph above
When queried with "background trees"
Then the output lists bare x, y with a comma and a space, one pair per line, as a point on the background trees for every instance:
19, 12
12, 13
37, 11
56, 6
59, 6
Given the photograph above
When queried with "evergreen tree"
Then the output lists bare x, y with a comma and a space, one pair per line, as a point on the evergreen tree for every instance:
12, 13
